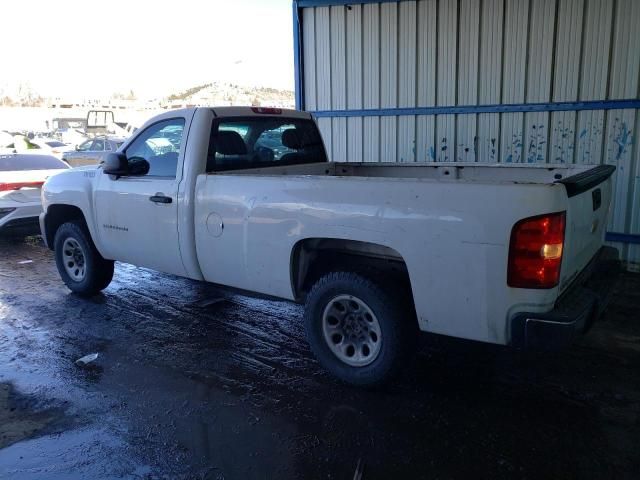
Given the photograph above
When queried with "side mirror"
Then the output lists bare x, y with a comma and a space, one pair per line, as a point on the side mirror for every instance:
138, 166
115, 164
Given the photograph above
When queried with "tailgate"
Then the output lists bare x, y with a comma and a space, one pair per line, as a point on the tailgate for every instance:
589, 195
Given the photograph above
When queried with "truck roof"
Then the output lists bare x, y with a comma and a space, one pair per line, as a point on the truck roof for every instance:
248, 112
258, 111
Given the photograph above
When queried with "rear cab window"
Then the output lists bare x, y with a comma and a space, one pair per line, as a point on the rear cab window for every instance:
258, 142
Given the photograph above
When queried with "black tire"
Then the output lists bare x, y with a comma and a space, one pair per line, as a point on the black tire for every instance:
98, 272
393, 310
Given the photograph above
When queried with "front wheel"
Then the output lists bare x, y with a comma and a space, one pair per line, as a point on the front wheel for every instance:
81, 267
358, 330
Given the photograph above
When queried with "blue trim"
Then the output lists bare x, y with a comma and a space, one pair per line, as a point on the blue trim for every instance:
622, 237
467, 109
330, 3
297, 56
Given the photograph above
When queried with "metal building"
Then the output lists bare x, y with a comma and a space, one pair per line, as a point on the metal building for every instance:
544, 81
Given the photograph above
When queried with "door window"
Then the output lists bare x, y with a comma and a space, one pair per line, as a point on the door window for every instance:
156, 150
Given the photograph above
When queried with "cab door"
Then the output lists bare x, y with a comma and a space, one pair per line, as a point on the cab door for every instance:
137, 215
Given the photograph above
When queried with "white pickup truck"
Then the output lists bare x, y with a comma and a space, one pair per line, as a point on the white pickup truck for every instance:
245, 197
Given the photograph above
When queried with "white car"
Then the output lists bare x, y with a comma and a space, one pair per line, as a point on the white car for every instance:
21, 177
50, 146
246, 197
36, 146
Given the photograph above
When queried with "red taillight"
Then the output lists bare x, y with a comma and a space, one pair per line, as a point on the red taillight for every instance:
267, 110
535, 252
5, 187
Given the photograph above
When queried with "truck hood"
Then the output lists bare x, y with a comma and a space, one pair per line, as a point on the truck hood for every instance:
72, 174
84, 167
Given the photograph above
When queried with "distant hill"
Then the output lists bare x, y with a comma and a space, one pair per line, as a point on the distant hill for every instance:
188, 93
216, 93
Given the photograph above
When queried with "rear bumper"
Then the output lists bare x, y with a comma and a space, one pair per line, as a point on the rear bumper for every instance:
21, 226
576, 309
22, 220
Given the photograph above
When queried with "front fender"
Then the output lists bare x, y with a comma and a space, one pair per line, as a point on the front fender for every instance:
72, 188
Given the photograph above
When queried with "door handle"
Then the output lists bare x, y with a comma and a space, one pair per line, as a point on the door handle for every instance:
160, 199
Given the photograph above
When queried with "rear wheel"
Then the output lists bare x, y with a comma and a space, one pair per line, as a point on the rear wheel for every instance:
81, 267
359, 331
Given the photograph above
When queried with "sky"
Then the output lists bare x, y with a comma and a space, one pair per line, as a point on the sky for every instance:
73, 47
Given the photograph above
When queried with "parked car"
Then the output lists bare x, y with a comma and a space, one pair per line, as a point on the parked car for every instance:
511, 255
37, 146
21, 177
22, 143
92, 151
52, 147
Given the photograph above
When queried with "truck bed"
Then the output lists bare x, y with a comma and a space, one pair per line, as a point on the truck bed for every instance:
464, 172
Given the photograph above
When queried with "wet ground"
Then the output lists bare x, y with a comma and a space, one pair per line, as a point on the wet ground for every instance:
188, 387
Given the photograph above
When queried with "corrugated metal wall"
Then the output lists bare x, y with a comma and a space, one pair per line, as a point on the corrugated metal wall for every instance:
430, 53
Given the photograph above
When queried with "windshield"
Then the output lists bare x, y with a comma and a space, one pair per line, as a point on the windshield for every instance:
263, 142
12, 163
54, 144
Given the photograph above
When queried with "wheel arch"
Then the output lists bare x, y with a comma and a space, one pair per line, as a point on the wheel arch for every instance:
57, 214
311, 258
